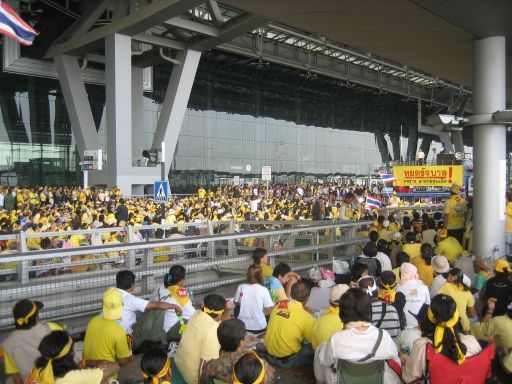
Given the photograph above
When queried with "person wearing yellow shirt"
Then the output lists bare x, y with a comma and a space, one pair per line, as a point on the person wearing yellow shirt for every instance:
455, 213
289, 333
448, 246
424, 265
508, 226
457, 287
411, 246
21, 346
104, 338
199, 342
330, 321
497, 328
201, 193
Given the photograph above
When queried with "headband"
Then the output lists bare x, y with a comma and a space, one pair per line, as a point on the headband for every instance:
155, 379
369, 289
439, 333
24, 320
46, 374
209, 310
387, 292
261, 376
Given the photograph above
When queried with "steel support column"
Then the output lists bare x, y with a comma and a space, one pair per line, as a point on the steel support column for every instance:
77, 103
489, 141
175, 104
137, 116
118, 74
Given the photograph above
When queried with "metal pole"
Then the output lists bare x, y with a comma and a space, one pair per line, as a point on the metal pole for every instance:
163, 177
86, 179
489, 96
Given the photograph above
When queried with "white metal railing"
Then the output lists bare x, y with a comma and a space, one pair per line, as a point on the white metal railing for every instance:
71, 281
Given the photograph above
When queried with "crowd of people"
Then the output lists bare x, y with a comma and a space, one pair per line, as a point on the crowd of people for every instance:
401, 312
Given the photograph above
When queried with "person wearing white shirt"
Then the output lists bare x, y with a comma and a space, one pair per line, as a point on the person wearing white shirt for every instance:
125, 282
416, 293
356, 341
172, 291
254, 301
441, 267
385, 261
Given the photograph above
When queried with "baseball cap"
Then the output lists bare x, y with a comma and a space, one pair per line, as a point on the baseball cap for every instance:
336, 292
112, 304
440, 264
501, 265
25, 309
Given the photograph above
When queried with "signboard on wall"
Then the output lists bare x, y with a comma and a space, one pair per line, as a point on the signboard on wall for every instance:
428, 176
93, 160
266, 173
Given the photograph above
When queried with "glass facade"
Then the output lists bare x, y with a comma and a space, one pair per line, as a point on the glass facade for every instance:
218, 145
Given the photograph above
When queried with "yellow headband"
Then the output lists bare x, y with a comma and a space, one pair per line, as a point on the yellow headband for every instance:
156, 378
46, 375
208, 310
261, 376
24, 320
439, 333
387, 292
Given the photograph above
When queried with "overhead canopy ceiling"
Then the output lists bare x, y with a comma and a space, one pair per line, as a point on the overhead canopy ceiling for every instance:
434, 36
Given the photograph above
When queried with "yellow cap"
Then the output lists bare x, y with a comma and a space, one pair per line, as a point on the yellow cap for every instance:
501, 266
112, 304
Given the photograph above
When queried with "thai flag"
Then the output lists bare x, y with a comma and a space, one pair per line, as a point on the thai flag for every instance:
386, 177
373, 202
13, 26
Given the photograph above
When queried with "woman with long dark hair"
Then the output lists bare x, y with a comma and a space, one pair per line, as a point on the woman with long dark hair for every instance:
56, 365
424, 265
457, 286
172, 291
442, 328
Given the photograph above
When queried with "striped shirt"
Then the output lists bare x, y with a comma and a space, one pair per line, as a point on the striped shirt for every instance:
388, 320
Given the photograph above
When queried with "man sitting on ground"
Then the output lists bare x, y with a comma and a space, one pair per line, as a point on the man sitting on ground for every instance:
105, 339
231, 335
125, 282
330, 321
289, 332
199, 342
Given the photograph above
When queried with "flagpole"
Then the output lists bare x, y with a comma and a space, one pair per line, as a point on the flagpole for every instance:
401, 143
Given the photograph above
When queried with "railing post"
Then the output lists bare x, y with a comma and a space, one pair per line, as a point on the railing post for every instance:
129, 260
332, 240
317, 245
210, 244
232, 243
23, 276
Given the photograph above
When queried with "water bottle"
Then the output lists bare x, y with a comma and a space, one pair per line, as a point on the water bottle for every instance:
496, 253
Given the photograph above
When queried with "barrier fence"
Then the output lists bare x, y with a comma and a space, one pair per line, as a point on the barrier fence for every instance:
68, 271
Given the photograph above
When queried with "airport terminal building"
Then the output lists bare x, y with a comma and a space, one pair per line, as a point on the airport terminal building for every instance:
245, 109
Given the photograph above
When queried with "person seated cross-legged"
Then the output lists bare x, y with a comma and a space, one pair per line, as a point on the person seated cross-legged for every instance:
231, 335
289, 333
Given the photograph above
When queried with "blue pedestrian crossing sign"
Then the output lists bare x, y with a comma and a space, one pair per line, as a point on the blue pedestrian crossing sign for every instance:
161, 191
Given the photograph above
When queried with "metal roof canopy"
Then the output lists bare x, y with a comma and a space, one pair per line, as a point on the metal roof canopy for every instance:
434, 36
